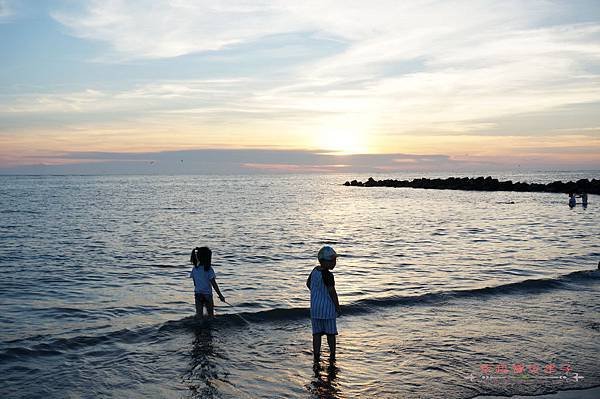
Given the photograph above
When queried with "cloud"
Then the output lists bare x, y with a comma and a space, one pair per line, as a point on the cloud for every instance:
233, 161
417, 66
269, 161
567, 151
148, 96
6, 10
171, 29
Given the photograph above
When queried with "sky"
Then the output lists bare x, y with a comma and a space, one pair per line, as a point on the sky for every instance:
299, 86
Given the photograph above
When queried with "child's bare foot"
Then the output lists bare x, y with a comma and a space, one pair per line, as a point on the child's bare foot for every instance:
317, 368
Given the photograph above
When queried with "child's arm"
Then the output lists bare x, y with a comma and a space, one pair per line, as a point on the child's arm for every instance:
334, 298
213, 282
330, 284
192, 277
308, 281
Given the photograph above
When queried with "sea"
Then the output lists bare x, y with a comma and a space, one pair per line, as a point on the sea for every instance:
444, 294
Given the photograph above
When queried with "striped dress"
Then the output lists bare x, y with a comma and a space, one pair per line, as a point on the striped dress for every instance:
321, 304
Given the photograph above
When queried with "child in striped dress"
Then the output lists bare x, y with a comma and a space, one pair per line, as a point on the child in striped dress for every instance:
324, 304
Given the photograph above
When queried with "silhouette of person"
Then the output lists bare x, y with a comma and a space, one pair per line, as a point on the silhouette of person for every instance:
572, 200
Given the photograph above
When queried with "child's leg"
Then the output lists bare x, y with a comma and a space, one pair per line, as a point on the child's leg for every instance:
210, 306
317, 346
331, 341
198, 302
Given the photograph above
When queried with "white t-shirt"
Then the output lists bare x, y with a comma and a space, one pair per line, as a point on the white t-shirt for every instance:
202, 279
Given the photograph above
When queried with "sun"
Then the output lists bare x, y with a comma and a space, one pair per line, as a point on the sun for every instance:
342, 141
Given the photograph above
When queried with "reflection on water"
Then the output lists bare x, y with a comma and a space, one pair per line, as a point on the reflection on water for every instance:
324, 384
202, 370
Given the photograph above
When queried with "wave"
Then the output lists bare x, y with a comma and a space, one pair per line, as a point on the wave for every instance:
530, 286
146, 333
60, 346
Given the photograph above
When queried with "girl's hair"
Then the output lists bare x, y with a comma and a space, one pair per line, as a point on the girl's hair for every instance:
201, 256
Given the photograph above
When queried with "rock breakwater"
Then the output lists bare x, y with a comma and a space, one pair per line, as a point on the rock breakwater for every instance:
485, 184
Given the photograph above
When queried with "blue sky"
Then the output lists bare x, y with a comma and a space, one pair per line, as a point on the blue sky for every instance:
486, 84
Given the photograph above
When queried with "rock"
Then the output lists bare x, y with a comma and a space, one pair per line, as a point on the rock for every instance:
485, 184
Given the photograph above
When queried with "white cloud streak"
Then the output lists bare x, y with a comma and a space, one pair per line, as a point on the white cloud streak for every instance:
5, 11
174, 28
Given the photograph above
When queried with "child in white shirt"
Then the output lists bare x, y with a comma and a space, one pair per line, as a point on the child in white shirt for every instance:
204, 280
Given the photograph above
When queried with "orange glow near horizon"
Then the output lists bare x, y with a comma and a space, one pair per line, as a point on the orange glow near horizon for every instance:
334, 137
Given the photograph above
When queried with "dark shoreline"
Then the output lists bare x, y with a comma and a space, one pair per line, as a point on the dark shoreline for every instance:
485, 184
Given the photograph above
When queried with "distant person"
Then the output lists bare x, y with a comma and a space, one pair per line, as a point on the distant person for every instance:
204, 280
572, 200
324, 304
584, 199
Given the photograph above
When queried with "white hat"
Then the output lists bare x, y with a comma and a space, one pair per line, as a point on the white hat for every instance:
327, 253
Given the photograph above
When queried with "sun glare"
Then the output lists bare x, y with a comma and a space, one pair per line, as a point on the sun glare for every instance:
342, 141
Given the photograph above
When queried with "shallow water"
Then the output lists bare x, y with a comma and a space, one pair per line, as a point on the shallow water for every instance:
96, 300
